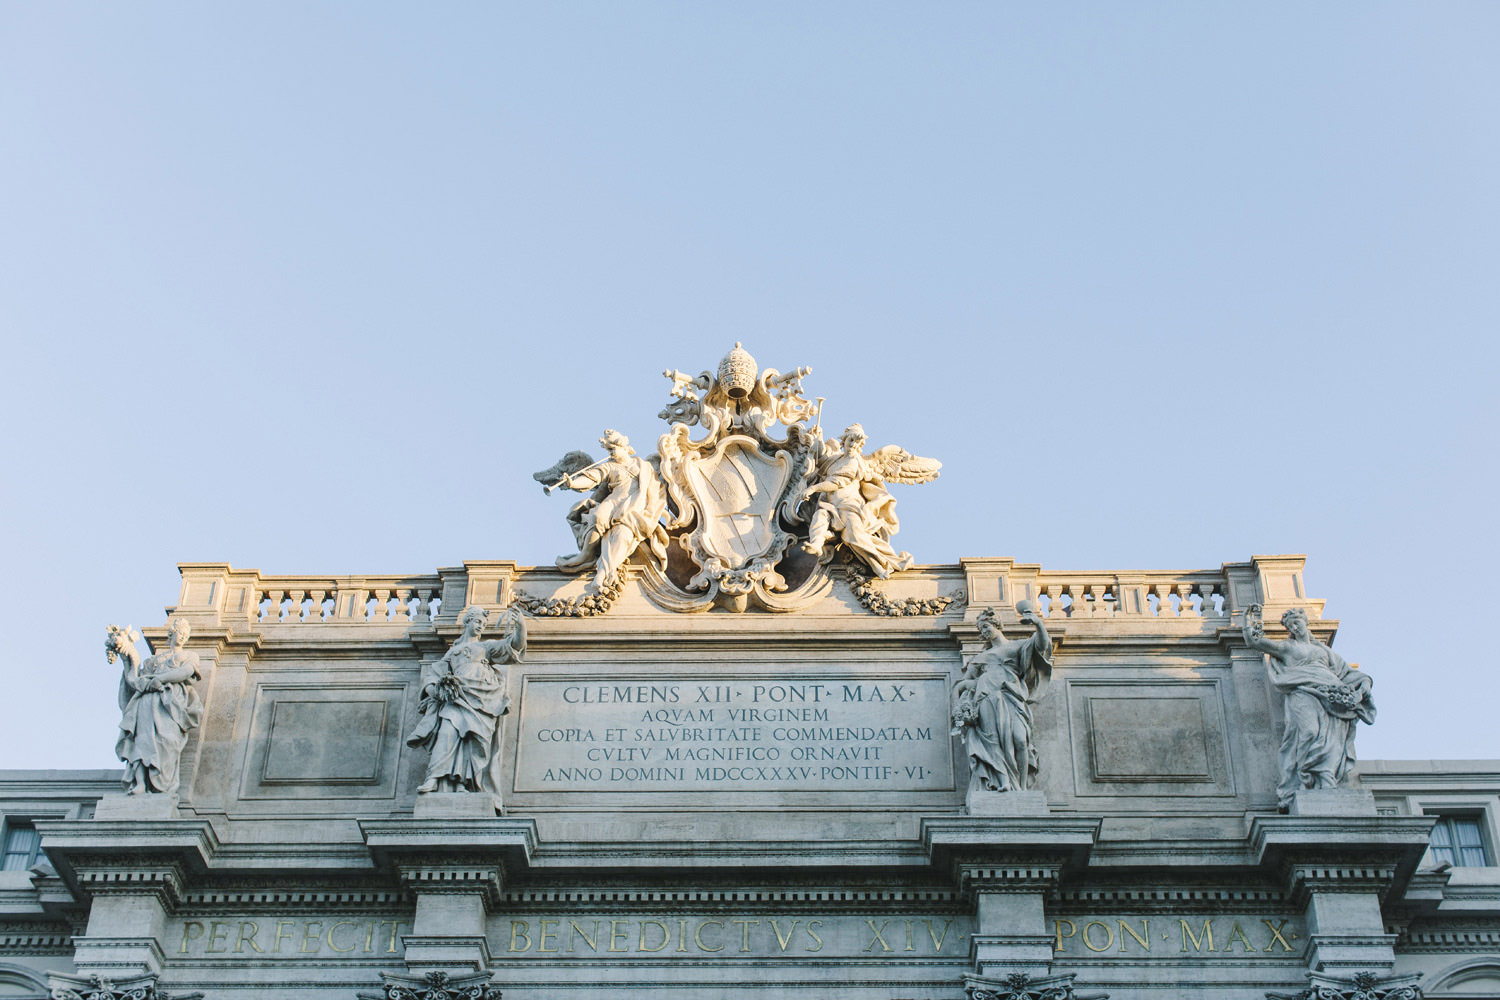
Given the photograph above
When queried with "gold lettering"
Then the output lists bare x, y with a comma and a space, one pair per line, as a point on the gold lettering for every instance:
342, 923
1108, 941
1275, 935
1236, 932
518, 929
682, 935
1058, 932
745, 926
242, 940
879, 937
698, 936
577, 932
214, 933
666, 936
281, 934
937, 940
784, 940
192, 930
617, 933
909, 945
309, 936
543, 930
1143, 938
370, 938
812, 932
390, 948
1188, 935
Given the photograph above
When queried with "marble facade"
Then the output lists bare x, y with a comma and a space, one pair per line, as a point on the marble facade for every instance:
725, 750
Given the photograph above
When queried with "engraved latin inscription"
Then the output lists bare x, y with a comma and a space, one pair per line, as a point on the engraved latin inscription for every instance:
831, 732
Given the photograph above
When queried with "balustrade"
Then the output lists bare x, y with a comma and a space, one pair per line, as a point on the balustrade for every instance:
375, 600
1149, 595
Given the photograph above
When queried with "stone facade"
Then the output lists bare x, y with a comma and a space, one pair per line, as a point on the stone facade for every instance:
730, 804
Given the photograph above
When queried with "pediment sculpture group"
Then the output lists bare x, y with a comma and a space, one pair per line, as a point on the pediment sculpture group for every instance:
737, 515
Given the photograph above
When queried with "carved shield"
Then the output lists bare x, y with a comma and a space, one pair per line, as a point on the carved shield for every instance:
736, 489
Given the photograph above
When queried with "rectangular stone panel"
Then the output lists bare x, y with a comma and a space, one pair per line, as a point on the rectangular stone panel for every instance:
830, 732
323, 740
1149, 737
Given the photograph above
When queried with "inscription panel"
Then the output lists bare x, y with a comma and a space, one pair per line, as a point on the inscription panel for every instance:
838, 731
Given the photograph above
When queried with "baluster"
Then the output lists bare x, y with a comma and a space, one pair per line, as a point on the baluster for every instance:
404, 611
424, 605
1162, 607
1046, 600
265, 597
1187, 610
1206, 591
296, 613
1109, 601
382, 605
315, 610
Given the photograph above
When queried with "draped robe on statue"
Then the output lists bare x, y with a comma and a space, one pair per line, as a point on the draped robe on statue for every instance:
464, 732
154, 725
1002, 752
1317, 746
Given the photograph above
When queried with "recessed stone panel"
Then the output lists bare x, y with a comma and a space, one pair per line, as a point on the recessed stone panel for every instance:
1157, 737
323, 740
1148, 739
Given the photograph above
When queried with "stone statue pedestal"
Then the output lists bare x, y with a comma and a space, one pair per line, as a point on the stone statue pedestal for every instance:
1333, 802
151, 805
1028, 803
454, 805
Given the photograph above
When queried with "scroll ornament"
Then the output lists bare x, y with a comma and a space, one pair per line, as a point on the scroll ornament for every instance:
95, 987
1020, 986
752, 510
1360, 986
435, 986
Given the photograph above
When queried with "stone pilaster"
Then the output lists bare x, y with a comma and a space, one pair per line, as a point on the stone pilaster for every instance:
454, 899
135, 872
1008, 865
1340, 862
456, 867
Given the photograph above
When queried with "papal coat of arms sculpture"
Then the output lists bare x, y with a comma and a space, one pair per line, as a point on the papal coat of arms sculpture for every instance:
745, 502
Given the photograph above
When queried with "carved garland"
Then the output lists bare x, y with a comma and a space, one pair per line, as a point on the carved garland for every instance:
877, 602
586, 606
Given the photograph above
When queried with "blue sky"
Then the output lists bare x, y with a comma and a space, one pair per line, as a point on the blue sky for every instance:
315, 288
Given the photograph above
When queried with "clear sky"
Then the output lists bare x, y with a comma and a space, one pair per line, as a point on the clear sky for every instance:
315, 288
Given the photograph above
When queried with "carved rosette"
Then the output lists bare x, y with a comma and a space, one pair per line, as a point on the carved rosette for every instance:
435, 986
1360, 986
1020, 986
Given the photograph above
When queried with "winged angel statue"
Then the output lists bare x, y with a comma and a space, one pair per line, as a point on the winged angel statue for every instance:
741, 511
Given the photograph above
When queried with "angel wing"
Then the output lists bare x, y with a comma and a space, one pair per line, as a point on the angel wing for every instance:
566, 466
897, 465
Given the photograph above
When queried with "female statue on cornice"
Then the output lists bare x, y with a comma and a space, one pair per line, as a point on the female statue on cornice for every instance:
158, 708
1322, 699
465, 695
992, 704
